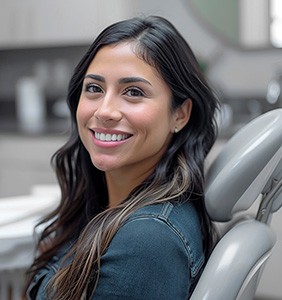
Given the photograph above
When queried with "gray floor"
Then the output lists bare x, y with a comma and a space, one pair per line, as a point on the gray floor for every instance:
25, 161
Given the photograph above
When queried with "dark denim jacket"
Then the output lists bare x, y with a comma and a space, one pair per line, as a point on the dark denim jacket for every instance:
156, 254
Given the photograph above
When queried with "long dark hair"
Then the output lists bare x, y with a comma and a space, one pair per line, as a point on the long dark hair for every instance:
82, 215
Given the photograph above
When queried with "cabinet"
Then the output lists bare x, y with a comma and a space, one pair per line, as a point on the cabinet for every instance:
32, 23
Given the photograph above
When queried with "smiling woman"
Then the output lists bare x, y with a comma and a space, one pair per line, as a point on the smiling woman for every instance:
132, 222
115, 105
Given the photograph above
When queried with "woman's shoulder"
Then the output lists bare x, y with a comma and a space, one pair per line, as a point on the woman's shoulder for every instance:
165, 226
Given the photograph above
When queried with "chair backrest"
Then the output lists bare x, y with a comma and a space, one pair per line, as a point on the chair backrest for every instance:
247, 170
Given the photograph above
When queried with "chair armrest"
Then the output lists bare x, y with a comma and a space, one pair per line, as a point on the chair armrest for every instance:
235, 260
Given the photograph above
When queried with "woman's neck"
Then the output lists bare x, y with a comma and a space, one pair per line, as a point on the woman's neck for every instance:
121, 184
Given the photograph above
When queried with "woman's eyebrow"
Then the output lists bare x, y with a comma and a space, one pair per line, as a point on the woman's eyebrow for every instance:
133, 79
120, 81
95, 77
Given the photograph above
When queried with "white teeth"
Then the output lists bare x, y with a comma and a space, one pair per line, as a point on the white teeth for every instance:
110, 137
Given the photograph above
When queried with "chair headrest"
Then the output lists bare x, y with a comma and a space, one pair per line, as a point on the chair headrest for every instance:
240, 172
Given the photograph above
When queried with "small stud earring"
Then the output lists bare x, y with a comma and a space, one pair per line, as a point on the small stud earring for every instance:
176, 130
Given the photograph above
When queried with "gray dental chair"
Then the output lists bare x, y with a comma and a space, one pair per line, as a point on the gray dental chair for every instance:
243, 190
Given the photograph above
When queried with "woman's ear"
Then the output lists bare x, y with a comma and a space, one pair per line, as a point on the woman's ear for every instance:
182, 115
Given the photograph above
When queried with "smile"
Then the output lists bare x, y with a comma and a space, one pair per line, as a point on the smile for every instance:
107, 137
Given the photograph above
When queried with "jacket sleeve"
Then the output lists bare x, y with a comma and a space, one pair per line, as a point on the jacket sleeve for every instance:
145, 260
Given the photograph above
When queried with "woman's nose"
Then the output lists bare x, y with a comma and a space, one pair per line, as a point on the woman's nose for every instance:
108, 109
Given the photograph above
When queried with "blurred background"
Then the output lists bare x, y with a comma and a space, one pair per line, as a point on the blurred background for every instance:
237, 42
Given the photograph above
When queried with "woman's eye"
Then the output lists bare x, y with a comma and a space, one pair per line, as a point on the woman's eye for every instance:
134, 92
93, 88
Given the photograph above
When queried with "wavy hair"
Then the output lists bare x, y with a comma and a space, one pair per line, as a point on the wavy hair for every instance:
83, 216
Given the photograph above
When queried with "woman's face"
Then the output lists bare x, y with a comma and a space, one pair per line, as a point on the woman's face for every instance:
124, 116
